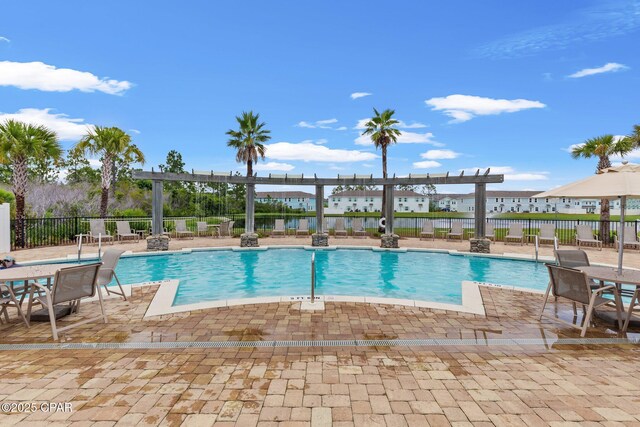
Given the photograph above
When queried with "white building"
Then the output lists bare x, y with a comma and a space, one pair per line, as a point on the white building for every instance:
293, 199
371, 201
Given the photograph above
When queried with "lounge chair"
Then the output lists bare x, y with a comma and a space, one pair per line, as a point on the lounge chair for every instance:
340, 229
574, 285
427, 230
515, 234
630, 238
8, 299
124, 231
226, 229
303, 228
98, 231
584, 236
456, 231
108, 271
489, 231
70, 285
548, 234
278, 229
181, 229
358, 228
203, 229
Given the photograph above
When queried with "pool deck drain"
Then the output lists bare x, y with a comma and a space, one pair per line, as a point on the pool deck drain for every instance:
428, 342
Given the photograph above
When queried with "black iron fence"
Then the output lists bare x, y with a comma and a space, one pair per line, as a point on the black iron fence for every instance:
40, 232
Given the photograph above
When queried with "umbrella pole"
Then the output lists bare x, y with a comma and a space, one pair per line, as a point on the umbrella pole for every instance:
623, 204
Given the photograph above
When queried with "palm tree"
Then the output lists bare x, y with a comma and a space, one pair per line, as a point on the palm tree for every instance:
635, 136
383, 133
110, 143
602, 147
22, 144
249, 140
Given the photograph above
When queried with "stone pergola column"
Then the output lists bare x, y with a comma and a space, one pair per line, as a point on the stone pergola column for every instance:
157, 241
389, 239
321, 236
479, 243
249, 238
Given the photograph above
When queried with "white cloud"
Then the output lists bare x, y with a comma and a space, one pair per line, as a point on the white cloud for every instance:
322, 124
426, 164
308, 152
321, 141
273, 166
439, 154
404, 138
367, 165
66, 128
303, 124
510, 174
327, 121
4, 39
342, 128
465, 107
610, 67
356, 95
41, 76
136, 131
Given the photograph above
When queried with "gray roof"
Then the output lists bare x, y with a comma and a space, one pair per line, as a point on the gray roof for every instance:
375, 193
283, 194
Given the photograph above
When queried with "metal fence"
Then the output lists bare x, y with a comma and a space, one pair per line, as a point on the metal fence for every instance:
40, 232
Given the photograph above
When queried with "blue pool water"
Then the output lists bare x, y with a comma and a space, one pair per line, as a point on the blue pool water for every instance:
216, 275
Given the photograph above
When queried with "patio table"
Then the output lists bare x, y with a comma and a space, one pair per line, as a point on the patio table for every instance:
627, 277
29, 273
216, 229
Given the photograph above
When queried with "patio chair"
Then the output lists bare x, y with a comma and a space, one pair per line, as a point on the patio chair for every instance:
303, 228
226, 229
108, 271
427, 230
70, 285
98, 231
340, 229
572, 258
278, 229
124, 232
8, 299
456, 231
358, 229
515, 234
489, 231
548, 234
182, 230
584, 236
573, 285
630, 238
203, 229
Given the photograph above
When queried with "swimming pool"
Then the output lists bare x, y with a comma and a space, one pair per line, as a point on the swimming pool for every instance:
227, 274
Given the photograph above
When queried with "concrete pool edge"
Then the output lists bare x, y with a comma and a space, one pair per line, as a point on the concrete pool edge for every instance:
162, 302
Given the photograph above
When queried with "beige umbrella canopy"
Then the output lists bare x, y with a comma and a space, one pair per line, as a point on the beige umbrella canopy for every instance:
620, 181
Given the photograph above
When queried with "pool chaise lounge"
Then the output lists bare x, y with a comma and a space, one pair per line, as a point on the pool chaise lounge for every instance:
584, 236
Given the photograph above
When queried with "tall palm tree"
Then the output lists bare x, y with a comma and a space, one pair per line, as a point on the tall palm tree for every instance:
635, 136
249, 139
22, 144
383, 133
110, 143
603, 147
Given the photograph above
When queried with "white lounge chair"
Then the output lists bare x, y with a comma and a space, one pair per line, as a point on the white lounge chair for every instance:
203, 229
358, 228
226, 229
108, 271
489, 231
456, 231
630, 238
98, 231
515, 234
584, 236
278, 229
548, 234
124, 232
181, 229
303, 228
70, 285
340, 230
427, 230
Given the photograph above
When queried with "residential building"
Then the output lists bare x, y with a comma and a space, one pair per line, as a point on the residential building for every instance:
292, 199
371, 201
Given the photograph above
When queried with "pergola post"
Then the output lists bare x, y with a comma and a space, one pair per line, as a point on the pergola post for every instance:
388, 239
321, 236
157, 241
250, 209
479, 243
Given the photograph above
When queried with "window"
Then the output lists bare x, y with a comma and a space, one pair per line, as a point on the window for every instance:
502, 199
405, 199
546, 200
406, 208
422, 200
529, 199
513, 200
496, 200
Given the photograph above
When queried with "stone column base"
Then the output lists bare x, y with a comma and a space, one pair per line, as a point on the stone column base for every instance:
482, 246
249, 240
389, 241
158, 242
320, 239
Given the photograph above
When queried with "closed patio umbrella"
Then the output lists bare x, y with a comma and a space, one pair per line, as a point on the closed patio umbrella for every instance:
620, 181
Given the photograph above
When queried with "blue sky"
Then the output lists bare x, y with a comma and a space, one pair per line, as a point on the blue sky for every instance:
509, 85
